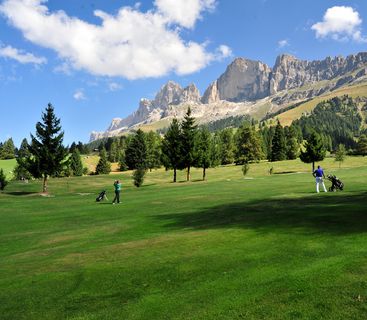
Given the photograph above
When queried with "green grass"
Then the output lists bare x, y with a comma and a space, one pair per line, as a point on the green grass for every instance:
260, 247
8, 167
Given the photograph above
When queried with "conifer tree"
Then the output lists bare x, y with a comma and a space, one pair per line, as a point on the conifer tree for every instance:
154, 150
171, 148
340, 154
314, 150
47, 153
278, 148
227, 146
292, 144
3, 181
188, 139
362, 145
8, 150
103, 166
76, 164
203, 150
248, 145
136, 151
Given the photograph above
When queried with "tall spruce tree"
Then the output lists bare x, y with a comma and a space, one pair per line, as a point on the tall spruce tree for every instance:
188, 139
103, 166
292, 144
47, 153
226, 146
278, 147
154, 150
248, 145
136, 151
171, 148
8, 150
203, 150
314, 150
76, 164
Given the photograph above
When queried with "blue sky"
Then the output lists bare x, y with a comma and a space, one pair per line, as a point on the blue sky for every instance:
94, 60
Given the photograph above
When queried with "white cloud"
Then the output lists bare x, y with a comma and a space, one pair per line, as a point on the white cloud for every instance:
224, 52
20, 56
283, 43
113, 86
79, 95
130, 44
184, 12
340, 23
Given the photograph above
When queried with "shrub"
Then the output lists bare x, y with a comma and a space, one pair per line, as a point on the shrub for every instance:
3, 181
138, 176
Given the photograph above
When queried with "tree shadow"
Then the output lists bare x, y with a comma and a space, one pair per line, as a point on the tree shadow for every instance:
330, 213
22, 193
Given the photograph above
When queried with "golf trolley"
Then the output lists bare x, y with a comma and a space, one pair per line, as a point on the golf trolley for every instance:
336, 183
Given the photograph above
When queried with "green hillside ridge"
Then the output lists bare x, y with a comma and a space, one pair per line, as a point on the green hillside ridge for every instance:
354, 91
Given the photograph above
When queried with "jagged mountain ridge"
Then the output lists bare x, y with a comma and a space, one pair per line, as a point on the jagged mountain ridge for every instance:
246, 87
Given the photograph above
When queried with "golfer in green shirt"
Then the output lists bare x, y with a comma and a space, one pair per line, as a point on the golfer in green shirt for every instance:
117, 186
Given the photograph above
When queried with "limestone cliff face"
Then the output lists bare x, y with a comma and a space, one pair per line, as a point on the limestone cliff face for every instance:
244, 80
290, 72
211, 94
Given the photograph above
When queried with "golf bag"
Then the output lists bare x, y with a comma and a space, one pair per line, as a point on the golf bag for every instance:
101, 196
336, 183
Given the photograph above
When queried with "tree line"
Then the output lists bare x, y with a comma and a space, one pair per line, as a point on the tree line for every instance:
185, 145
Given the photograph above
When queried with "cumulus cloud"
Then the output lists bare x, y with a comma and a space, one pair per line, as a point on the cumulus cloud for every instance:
224, 52
340, 23
184, 13
283, 43
130, 44
20, 56
79, 95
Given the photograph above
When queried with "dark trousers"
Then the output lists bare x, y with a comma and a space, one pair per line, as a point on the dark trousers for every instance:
117, 197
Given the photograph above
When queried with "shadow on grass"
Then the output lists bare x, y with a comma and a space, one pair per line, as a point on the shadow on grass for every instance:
21, 193
331, 213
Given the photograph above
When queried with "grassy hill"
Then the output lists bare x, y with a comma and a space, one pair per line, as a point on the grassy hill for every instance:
259, 247
8, 166
354, 91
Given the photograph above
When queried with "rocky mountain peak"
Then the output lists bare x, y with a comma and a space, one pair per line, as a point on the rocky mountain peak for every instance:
170, 93
244, 79
211, 94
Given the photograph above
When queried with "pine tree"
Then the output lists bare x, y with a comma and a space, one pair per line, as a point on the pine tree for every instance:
314, 150
203, 150
103, 166
154, 150
188, 138
226, 146
76, 164
20, 171
278, 148
362, 145
138, 176
248, 145
47, 153
340, 154
122, 162
136, 151
8, 150
292, 144
171, 148
23, 151
3, 181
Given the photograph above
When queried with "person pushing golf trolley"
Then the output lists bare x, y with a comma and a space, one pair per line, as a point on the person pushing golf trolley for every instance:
319, 175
